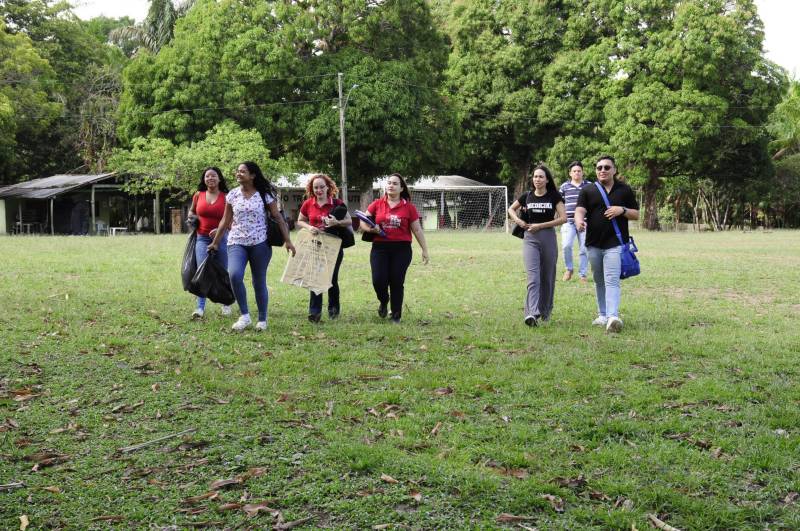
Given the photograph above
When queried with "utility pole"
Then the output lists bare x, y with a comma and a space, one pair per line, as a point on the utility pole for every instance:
341, 139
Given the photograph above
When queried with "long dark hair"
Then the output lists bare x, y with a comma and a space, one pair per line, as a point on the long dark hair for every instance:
223, 186
404, 193
551, 183
261, 183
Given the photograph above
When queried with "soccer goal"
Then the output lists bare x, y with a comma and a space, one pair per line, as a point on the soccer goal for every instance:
455, 202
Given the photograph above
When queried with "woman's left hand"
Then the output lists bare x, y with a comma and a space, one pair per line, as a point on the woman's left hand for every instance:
425, 257
290, 248
212, 232
533, 228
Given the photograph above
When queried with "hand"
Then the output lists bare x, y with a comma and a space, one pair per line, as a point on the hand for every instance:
290, 248
212, 246
212, 232
329, 221
613, 212
376, 229
313, 230
533, 228
425, 257
580, 227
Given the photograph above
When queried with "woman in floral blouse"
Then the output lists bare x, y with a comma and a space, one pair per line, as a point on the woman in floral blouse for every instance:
246, 217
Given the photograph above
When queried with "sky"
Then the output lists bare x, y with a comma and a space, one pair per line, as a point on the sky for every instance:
779, 16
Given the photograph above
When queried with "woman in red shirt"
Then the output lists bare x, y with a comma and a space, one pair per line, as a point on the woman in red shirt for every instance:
208, 207
315, 216
397, 217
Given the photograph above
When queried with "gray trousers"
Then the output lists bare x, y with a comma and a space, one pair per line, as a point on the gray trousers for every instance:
540, 256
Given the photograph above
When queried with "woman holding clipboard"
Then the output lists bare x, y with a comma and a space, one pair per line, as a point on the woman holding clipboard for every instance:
395, 218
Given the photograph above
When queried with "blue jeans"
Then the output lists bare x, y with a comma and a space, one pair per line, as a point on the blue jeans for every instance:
568, 234
606, 266
258, 256
201, 252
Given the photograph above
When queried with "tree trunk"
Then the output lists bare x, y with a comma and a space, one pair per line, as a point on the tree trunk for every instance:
650, 199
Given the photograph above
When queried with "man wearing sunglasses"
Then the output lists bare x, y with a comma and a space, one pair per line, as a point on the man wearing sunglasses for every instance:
602, 245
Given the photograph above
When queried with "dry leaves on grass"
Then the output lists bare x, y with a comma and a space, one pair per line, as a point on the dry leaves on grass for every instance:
44, 459
24, 394
436, 429
442, 391
555, 502
389, 479
518, 473
108, 518
415, 495
224, 483
660, 524
24, 522
570, 483
507, 518
194, 500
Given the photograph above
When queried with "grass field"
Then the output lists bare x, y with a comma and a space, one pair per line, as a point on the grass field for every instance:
461, 417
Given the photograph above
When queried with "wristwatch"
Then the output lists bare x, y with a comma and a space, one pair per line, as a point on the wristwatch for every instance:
624, 210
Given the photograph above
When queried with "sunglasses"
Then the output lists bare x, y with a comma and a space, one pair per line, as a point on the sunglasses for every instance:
602, 167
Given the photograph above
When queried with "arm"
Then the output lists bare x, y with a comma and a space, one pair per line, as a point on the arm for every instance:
302, 222
512, 213
419, 234
366, 228
276, 214
615, 211
223, 226
560, 219
580, 216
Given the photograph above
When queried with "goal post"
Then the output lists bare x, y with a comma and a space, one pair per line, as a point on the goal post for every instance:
480, 208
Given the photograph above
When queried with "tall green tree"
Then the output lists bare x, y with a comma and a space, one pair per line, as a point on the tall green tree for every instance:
500, 50
154, 32
271, 66
28, 105
685, 86
71, 51
784, 124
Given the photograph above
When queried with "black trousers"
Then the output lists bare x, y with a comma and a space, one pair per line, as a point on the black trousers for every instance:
315, 301
389, 263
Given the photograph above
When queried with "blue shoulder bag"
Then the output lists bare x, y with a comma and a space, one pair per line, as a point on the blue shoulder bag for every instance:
629, 262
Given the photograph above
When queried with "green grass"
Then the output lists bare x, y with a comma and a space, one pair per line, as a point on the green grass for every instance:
690, 414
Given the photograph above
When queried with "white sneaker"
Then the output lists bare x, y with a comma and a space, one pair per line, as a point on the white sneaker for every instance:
226, 310
261, 325
614, 325
243, 322
600, 321
197, 314
531, 320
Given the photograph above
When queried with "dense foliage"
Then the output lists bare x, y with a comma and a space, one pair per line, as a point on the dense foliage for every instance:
680, 92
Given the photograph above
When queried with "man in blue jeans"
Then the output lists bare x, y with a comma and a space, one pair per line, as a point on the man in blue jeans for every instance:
602, 245
570, 191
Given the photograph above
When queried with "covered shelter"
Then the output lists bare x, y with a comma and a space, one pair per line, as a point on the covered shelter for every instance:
76, 204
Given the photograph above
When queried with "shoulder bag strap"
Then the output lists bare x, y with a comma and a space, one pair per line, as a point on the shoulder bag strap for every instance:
608, 205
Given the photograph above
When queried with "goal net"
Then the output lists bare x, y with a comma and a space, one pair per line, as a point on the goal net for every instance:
454, 202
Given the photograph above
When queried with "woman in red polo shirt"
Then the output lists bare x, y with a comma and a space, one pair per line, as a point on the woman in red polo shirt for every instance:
208, 207
315, 216
396, 215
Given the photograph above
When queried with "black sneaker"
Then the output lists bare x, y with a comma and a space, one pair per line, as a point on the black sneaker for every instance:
383, 311
531, 320
314, 317
395, 318
333, 313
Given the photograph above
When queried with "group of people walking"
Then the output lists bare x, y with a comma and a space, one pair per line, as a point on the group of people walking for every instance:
580, 209
234, 226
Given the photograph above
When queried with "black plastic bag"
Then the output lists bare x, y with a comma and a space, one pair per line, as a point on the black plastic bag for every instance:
189, 264
212, 281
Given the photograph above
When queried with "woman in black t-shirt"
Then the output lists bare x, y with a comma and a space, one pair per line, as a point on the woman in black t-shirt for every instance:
537, 212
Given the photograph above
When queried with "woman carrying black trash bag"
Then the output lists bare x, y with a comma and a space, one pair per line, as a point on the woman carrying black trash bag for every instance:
246, 217
396, 219
316, 215
208, 207
537, 212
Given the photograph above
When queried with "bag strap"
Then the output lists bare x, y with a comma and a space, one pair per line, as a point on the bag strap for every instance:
194, 202
608, 205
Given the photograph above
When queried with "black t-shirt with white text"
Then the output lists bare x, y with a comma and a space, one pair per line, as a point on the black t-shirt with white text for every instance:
599, 230
537, 209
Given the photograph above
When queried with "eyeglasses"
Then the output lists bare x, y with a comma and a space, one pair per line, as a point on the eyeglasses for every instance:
602, 167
